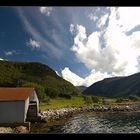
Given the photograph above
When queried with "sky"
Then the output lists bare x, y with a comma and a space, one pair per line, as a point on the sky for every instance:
83, 45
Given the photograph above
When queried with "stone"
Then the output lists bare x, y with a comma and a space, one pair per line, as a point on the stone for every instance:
21, 129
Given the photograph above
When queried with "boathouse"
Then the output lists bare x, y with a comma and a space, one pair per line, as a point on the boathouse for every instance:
17, 105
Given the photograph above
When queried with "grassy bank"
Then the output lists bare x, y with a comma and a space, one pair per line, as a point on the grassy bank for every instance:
77, 101
62, 102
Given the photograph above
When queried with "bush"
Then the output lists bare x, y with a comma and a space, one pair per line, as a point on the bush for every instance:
46, 100
119, 100
134, 98
95, 99
63, 95
88, 99
51, 92
40, 90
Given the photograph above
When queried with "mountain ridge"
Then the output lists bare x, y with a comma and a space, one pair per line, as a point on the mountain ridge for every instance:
116, 86
18, 74
81, 88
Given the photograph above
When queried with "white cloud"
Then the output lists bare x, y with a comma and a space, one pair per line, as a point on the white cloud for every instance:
72, 28
102, 21
1, 59
94, 77
46, 10
7, 53
71, 77
93, 17
108, 51
57, 73
47, 47
33, 43
76, 80
128, 17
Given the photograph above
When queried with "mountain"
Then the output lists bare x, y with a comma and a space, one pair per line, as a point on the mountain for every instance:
116, 87
81, 88
13, 74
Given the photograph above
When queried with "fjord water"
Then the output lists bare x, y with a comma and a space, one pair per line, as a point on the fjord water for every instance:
103, 122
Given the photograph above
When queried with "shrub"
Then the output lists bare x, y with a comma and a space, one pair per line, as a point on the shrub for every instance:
67, 96
134, 98
119, 100
51, 92
46, 100
95, 99
40, 90
88, 99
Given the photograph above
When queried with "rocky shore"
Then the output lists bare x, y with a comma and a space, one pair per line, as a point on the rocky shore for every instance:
51, 115
14, 130
63, 113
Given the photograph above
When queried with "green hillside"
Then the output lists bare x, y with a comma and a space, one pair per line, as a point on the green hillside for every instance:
116, 87
37, 75
81, 88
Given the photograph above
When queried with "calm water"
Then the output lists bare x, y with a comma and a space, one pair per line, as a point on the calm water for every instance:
97, 123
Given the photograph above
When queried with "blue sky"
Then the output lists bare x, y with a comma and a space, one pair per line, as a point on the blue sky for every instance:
54, 29
82, 44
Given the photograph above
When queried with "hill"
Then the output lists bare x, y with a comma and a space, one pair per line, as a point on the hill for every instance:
81, 88
34, 74
116, 87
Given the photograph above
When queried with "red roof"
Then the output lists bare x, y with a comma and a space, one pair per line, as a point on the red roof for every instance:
15, 94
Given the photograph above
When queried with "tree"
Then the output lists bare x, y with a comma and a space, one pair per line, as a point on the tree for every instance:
64, 95
40, 90
119, 100
88, 99
134, 98
51, 92
95, 99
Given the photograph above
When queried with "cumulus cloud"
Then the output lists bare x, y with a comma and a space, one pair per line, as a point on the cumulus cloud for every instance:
102, 21
1, 59
94, 77
33, 43
46, 10
110, 51
72, 77
76, 80
7, 53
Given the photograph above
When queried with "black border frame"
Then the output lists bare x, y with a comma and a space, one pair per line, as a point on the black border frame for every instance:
69, 2
115, 3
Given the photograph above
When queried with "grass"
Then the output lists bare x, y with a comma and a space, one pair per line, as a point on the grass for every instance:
61, 102
75, 101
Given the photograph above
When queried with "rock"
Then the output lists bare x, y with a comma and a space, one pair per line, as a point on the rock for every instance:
43, 119
21, 129
55, 114
6, 130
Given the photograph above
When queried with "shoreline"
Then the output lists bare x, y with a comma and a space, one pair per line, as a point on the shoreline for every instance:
51, 115
14, 130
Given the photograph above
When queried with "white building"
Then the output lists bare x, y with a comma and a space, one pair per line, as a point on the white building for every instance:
18, 103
